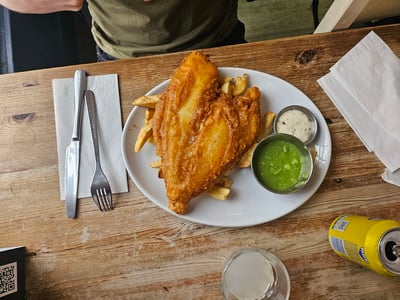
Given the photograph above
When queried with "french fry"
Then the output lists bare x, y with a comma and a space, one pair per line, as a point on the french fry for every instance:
145, 133
222, 189
156, 164
245, 161
148, 116
234, 86
225, 181
266, 125
226, 88
219, 192
146, 101
265, 130
223, 80
239, 85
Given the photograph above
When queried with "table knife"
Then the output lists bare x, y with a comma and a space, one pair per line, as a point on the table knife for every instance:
73, 150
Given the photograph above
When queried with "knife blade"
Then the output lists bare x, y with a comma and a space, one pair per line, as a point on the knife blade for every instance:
72, 152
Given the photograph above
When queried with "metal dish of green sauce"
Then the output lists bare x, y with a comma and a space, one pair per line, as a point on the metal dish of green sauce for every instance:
282, 163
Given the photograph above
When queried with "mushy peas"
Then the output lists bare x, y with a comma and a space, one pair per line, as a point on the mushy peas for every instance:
279, 165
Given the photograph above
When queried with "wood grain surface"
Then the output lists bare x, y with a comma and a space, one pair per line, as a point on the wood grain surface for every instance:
139, 251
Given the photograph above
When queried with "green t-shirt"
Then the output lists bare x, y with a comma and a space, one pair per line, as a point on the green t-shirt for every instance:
126, 28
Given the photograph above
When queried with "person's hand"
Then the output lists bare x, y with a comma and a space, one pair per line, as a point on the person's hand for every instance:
42, 6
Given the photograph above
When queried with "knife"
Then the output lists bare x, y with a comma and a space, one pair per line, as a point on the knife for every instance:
73, 150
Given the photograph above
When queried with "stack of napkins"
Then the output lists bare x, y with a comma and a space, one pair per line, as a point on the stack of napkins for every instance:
365, 87
106, 92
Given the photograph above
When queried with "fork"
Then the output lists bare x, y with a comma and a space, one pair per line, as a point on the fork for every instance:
100, 188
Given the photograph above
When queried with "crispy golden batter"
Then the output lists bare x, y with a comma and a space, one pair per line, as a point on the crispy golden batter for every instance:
199, 132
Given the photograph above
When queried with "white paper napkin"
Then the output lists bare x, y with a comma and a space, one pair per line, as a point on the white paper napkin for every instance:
105, 88
365, 87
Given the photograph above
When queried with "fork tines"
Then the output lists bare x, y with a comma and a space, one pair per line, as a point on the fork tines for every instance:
103, 199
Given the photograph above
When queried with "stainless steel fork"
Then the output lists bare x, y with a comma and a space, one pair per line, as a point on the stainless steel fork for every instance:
100, 188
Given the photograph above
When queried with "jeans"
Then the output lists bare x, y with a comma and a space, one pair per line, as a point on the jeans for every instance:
103, 56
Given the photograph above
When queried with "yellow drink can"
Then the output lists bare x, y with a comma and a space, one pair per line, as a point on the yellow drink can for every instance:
371, 243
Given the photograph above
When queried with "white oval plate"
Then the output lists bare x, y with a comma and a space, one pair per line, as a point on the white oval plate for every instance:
249, 204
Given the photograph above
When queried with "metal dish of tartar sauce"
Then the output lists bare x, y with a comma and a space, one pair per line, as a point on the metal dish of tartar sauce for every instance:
298, 121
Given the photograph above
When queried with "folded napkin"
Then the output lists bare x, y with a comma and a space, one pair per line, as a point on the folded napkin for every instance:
365, 87
105, 89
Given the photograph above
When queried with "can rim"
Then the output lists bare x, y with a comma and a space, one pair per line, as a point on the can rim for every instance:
393, 266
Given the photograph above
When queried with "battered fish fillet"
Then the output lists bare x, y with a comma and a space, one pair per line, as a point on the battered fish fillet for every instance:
200, 132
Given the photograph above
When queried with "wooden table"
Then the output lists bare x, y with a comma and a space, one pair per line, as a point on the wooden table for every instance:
138, 251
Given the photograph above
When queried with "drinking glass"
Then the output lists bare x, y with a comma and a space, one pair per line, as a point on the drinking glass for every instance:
253, 273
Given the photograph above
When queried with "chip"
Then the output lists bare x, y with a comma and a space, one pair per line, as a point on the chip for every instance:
145, 133
219, 192
265, 129
239, 85
146, 101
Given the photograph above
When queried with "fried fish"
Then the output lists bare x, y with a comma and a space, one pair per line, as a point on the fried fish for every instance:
199, 132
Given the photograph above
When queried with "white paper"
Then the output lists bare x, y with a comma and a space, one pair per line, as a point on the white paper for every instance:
365, 87
371, 73
391, 177
371, 133
105, 88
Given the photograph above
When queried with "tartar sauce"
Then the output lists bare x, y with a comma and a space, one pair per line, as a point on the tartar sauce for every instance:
296, 123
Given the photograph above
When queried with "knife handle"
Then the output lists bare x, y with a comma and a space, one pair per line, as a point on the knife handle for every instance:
79, 90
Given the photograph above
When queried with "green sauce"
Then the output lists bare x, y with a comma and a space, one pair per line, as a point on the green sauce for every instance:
279, 165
